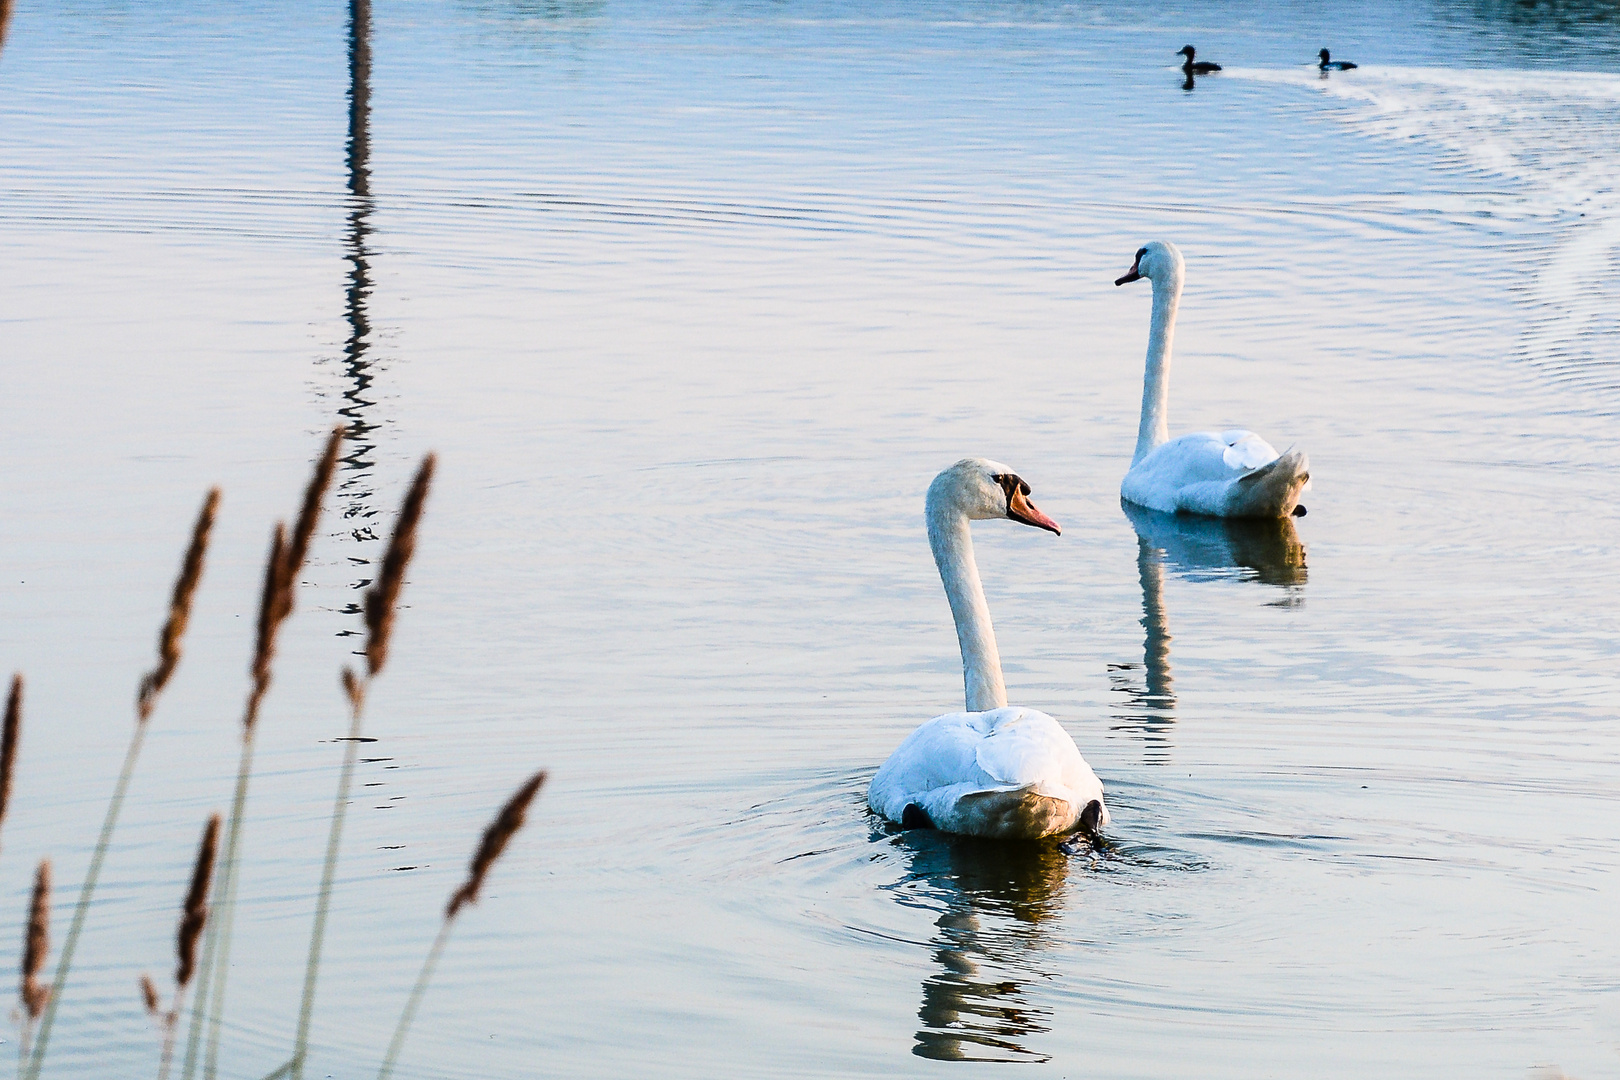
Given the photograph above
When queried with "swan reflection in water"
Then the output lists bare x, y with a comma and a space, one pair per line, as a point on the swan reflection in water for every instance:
1266, 551
995, 903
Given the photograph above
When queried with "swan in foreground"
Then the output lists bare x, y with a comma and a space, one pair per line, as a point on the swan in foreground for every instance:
1330, 64
1232, 473
993, 770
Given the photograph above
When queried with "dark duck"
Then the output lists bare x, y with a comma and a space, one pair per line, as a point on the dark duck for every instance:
1201, 67
1330, 64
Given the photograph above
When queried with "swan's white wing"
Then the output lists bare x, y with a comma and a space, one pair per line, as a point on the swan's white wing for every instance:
962, 754
1026, 747
940, 754
1245, 450
1195, 472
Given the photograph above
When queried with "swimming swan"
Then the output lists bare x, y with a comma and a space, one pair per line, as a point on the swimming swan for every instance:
1232, 473
991, 771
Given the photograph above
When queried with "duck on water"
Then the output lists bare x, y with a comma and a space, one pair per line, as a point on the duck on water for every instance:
1330, 64
1200, 67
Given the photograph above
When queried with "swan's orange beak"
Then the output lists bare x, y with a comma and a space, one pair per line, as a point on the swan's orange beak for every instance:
1133, 274
1019, 508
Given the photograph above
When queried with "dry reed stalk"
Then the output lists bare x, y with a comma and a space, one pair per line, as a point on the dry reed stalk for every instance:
185, 590
383, 598
509, 821
8, 742
196, 907
149, 995
193, 916
174, 628
494, 841
282, 567
5, 20
37, 944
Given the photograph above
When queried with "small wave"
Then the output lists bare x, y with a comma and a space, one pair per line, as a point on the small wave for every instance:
1551, 135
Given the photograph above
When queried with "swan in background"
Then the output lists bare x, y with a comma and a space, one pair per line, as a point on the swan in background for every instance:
1202, 67
991, 771
1329, 64
1232, 473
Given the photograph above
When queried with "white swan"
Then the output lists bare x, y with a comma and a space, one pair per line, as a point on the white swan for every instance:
1221, 473
991, 771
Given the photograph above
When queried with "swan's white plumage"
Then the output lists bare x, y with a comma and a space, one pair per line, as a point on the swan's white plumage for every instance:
993, 771
1231, 473
1022, 755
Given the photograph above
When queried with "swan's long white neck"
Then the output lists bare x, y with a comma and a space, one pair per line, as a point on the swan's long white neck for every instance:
948, 535
1155, 429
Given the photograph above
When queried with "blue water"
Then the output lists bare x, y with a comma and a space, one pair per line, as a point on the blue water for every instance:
693, 302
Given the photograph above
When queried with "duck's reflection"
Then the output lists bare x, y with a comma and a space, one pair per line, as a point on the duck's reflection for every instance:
995, 901
1264, 551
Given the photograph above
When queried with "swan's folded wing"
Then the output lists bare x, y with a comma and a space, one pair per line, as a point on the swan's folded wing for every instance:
1025, 748
1245, 450
937, 755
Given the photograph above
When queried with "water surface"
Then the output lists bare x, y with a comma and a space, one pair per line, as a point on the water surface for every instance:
693, 302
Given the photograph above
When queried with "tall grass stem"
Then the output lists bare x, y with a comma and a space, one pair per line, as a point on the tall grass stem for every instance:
340, 806
412, 1003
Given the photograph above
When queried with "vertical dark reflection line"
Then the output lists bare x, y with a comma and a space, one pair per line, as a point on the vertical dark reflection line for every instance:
1151, 706
354, 487
5, 21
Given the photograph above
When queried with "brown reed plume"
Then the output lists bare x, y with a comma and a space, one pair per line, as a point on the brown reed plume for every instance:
174, 628
193, 916
37, 944
149, 995
383, 598
494, 841
509, 821
8, 742
5, 19
276, 601
196, 907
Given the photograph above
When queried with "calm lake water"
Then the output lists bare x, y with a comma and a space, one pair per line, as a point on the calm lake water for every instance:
693, 301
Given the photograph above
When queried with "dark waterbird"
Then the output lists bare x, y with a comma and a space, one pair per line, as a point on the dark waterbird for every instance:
1201, 67
1329, 64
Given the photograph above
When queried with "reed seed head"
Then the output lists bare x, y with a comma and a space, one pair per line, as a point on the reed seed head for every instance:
195, 913
8, 742
174, 628
38, 943
149, 994
383, 598
281, 570
264, 649
310, 513
354, 688
509, 821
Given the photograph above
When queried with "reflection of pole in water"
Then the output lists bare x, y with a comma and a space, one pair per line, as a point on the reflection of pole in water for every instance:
354, 488
1152, 704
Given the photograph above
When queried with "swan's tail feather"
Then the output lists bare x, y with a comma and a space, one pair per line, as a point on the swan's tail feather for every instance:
1272, 490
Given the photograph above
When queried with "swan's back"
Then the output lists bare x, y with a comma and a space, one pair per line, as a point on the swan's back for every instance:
1221, 473
1006, 772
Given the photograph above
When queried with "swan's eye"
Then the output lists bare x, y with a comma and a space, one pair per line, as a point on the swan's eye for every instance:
1011, 484
1141, 252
